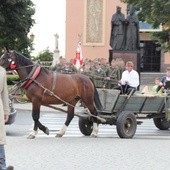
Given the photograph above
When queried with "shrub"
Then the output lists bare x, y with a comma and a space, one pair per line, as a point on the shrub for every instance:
12, 78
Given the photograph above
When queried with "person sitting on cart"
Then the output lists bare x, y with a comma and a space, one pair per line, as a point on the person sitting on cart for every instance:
129, 79
157, 88
165, 81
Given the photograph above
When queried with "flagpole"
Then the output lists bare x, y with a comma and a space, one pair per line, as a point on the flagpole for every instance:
80, 43
79, 37
78, 60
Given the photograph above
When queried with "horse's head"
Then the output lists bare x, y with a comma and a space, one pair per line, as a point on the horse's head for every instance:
8, 60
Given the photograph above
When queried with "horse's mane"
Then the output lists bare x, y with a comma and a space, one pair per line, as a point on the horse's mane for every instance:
26, 62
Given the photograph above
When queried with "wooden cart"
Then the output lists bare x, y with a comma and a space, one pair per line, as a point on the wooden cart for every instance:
126, 112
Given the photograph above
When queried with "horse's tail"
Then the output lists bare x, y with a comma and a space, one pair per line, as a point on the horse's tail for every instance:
96, 98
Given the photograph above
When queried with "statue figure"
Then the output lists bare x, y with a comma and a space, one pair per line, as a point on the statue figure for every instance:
56, 41
117, 30
132, 30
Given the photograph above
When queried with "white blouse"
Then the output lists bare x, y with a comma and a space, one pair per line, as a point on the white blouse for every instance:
132, 77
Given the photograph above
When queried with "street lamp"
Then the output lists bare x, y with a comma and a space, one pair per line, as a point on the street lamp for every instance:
32, 36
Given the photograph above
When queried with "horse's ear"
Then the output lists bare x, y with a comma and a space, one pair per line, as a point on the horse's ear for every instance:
6, 49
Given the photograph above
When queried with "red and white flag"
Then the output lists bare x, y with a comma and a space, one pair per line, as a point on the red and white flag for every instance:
78, 60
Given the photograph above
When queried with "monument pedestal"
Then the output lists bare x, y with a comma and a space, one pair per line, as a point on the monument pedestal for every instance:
56, 57
133, 56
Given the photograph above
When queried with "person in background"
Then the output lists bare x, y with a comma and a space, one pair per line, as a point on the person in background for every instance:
129, 80
99, 76
87, 70
59, 67
121, 67
157, 88
167, 77
164, 80
4, 116
104, 65
112, 76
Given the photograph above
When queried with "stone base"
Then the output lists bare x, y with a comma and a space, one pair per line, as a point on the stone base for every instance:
133, 56
56, 57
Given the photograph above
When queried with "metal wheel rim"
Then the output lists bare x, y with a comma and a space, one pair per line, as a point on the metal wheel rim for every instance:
128, 126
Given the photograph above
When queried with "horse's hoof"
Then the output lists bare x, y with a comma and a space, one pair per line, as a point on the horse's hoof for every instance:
93, 136
31, 137
47, 131
58, 135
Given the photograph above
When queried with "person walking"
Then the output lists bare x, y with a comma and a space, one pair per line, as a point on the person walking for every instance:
4, 116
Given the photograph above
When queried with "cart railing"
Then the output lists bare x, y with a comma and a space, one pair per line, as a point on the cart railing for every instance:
112, 101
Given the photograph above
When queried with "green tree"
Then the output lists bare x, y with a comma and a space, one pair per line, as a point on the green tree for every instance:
15, 23
156, 12
45, 55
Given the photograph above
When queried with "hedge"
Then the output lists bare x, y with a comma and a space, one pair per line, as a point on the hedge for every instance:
11, 79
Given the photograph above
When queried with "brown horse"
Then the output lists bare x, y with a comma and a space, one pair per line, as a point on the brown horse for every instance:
44, 87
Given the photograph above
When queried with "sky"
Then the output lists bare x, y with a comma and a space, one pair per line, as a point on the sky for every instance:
49, 19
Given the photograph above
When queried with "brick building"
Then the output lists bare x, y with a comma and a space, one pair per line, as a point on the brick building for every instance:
90, 20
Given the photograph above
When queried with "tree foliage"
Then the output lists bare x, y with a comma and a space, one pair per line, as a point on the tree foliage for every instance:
15, 23
45, 55
156, 12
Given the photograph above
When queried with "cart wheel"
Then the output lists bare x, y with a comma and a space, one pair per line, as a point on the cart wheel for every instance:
85, 126
161, 123
126, 125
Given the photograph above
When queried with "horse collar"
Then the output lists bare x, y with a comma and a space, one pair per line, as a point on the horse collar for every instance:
33, 77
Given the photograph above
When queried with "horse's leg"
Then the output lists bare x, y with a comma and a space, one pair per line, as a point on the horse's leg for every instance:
37, 123
95, 124
93, 111
70, 115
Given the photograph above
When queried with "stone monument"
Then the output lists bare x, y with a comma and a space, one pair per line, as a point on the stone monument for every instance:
127, 29
56, 54
117, 30
132, 30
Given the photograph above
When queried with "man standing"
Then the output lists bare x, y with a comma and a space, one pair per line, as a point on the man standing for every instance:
4, 115
130, 79
117, 30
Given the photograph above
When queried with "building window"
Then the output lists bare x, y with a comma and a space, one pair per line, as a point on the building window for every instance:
150, 57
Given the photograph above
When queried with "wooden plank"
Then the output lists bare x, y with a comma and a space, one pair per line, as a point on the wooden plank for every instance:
134, 104
108, 98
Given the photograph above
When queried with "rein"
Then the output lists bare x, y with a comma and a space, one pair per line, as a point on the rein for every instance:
21, 67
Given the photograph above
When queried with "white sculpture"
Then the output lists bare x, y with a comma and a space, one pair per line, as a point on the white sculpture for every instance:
56, 40
56, 51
